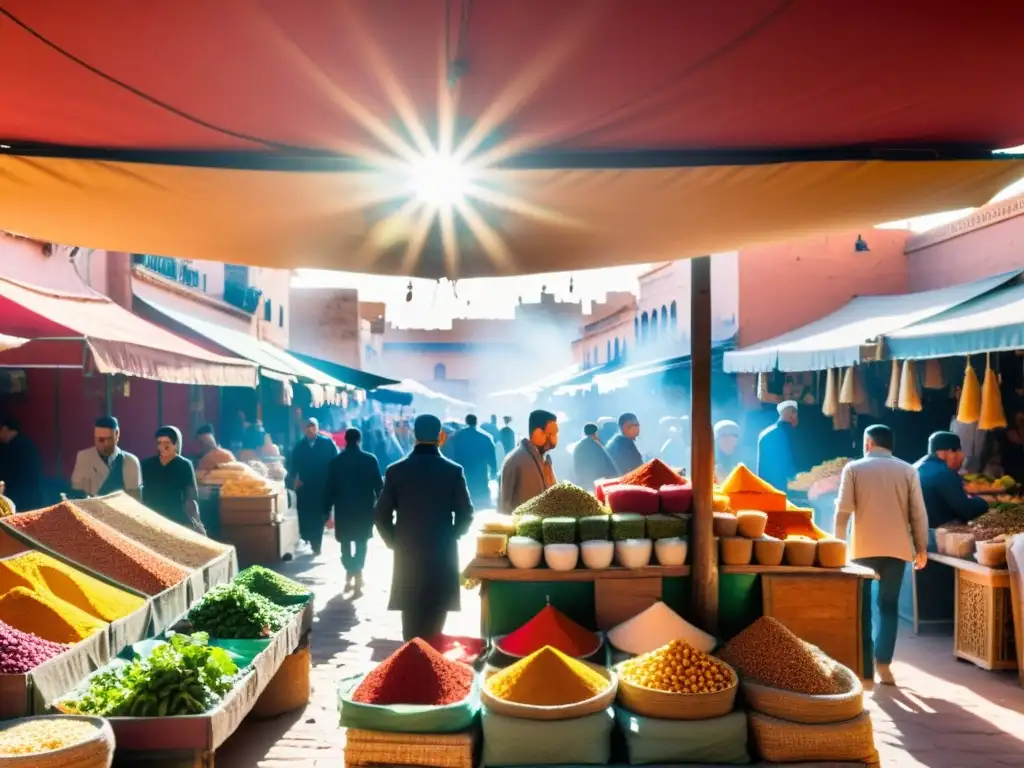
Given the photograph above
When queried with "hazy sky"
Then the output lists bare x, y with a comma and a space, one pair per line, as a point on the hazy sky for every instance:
435, 304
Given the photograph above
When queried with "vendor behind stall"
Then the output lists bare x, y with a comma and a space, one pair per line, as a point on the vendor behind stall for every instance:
776, 458
105, 468
941, 485
169, 482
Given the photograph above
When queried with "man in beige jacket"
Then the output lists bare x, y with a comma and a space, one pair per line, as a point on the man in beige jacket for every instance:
890, 528
526, 471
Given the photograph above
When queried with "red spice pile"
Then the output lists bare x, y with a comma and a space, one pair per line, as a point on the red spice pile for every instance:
654, 474
554, 628
416, 674
783, 524
70, 532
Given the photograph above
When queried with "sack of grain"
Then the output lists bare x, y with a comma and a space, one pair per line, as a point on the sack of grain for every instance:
577, 741
780, 741
717, 741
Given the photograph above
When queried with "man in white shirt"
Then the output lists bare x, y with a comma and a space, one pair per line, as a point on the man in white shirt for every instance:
105, 468
890, 528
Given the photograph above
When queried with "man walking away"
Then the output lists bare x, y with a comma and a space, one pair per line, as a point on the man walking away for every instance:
421, 513
776, 460
590, 460
21, 468
622, 447
491, 428
941, 484
527, 470
473, 450
507, 435
882, 495
353, 485
105, 468
169, 482
307, 475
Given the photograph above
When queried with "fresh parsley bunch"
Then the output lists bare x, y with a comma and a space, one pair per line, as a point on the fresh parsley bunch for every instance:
232, 611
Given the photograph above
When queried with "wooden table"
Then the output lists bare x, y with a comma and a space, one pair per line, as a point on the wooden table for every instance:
827, 607
983, 630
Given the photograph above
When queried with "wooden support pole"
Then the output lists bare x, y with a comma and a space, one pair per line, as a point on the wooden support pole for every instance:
704, 557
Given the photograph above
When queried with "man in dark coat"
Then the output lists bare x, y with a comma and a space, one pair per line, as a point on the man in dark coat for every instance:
622, 448
507, 435
307, 475
776, 460
473, 450
941, 485
353, 486
421, 513
590, 460
21, 467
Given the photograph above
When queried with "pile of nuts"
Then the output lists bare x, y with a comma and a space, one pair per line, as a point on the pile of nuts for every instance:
678, 668
769, 653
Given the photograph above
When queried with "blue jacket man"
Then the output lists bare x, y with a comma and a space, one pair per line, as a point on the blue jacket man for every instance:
776, 460
941, 485
473, 450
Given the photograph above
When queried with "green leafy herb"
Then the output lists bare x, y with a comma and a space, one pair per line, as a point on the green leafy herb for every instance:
232, 611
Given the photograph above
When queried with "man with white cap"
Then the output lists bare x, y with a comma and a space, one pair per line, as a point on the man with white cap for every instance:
776, 460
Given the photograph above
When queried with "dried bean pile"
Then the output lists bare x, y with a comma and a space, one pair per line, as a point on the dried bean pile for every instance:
770, 654
139, 523
22, 652
66, 529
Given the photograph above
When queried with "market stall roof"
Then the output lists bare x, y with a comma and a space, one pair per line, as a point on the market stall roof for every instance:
352, 376
417, 390
10, 342
838, 339
545, 382
58, 324
609, 382
293, 134
272, 361
990, 323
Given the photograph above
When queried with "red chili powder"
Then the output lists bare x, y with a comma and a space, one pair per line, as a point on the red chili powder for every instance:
654, 474
783, 524
554, 628
416, 674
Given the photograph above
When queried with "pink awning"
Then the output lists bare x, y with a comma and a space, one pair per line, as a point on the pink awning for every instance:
58, 326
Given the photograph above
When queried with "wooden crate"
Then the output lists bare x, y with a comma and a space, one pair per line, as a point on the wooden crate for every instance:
984, 633
822, 610
251, 510
262, 544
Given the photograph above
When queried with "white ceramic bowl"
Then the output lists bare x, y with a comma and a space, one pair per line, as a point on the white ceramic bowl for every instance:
597, 554
561, 557
670, 551
524, 552
634, 553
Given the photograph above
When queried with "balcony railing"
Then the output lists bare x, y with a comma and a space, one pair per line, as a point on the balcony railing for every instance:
244, 297
173, 269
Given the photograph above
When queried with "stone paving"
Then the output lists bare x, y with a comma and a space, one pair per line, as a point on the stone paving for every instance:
944, 714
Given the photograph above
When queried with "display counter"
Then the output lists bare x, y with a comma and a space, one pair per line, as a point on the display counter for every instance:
983, 631
830, 608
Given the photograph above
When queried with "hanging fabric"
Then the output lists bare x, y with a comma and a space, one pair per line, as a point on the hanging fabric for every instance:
843, 418
830, 402
910, 394
993, 415
933, 377
852, 391
892, 400
969, 410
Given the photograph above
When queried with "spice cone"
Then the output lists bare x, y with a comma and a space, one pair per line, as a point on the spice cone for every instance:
852, 391
892, 400
830, 402
969, 410
910, 396
993, 416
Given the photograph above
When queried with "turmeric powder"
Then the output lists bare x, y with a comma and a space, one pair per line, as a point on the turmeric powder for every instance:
40, 572
46, 616
547, 678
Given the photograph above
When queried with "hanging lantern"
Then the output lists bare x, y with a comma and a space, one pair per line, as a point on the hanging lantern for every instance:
892, 400
969, 410
993, 415
830, 402
910, 394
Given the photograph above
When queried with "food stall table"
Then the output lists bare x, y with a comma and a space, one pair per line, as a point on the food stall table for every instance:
983, 630
828, 607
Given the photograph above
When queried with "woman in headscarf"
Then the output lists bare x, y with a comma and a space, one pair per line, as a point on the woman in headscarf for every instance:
727, 448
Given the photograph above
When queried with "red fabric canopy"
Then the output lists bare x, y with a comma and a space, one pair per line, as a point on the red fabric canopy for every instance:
569, 74
58, 326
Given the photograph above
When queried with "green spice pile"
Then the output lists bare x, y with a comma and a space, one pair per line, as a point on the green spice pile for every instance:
273, 586
559, 530
232, 611
562, 500
185, 676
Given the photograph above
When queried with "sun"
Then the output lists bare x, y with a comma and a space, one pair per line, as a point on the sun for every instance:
440, 181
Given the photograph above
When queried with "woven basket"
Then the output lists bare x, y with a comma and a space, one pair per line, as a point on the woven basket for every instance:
779, 741
769, 551
648, 702
288, 690
436, 750
803, 708
597, 703
94, 752
736, 551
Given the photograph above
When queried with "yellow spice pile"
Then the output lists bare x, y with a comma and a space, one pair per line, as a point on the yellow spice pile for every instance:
678, 668
35, 736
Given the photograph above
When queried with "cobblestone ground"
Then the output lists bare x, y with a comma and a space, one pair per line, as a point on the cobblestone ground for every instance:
944, 714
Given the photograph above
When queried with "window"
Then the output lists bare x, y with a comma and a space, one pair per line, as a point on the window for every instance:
636, 329
608, 357
623, 349
440, 372
268, 310
654, 325
664, 318
280, 317
673, 313
644, 327
616, 348
597, 355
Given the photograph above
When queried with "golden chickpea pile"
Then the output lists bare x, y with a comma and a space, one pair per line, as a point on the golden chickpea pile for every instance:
35, 736
678, 668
